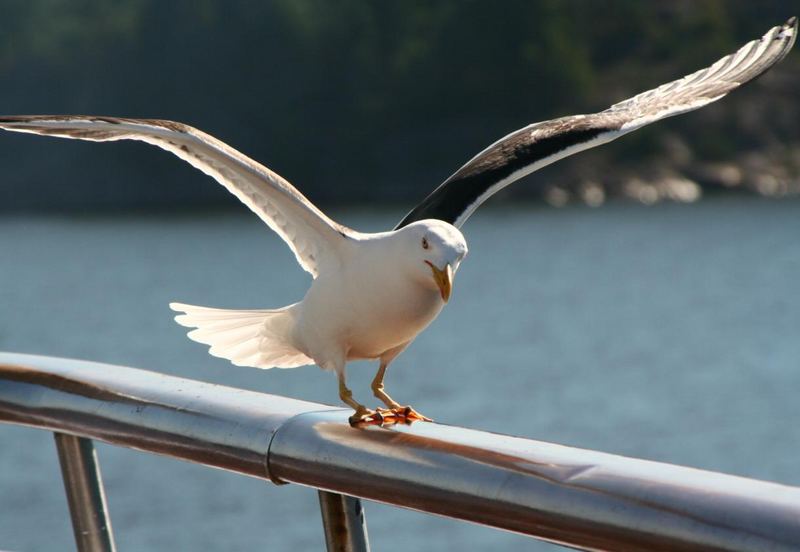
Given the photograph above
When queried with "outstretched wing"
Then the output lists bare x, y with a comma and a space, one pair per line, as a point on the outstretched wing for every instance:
537, 145
312, 236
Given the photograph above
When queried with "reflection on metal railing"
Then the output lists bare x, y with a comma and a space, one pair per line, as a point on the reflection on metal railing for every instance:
585, 499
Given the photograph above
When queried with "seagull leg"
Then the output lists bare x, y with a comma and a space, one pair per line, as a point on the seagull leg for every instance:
378, 389
394, 410
389, 415
362, 413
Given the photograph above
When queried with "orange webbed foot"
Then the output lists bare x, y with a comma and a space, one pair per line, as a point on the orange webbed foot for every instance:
364, 416
387, 416
410, 415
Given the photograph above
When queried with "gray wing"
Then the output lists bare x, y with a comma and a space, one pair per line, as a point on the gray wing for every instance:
312, 236
537, 145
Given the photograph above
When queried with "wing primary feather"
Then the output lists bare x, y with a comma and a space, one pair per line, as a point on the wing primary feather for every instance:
535, 146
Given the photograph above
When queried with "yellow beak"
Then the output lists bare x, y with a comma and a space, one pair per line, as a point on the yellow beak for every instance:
443, 279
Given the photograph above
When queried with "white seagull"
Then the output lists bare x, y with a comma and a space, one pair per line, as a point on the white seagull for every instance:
372, 294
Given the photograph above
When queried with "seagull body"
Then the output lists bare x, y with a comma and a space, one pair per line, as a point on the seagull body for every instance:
372, 294
379, 293
399, 299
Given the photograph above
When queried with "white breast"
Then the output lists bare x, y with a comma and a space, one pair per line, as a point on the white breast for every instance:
400, 316
366, 308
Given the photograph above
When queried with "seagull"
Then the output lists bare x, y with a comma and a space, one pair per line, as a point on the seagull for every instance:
373, 293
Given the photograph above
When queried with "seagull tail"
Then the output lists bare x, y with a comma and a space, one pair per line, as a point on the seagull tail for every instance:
257, 338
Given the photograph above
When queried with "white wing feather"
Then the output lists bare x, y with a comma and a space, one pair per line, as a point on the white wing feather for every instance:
312, 236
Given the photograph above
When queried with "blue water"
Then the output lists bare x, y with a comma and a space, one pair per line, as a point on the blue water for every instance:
669, 333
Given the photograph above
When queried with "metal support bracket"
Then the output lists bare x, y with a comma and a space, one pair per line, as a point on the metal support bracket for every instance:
344, 523
87, 501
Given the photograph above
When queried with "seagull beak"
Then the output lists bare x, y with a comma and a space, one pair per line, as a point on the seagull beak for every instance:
443, 278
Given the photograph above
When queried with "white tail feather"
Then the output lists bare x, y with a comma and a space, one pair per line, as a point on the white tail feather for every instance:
257, 338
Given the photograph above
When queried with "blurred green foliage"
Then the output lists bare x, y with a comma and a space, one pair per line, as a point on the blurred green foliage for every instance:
395, 92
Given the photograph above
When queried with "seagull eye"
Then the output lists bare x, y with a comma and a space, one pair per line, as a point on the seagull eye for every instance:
425, 243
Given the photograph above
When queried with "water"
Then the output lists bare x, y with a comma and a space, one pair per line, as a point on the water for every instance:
668, 333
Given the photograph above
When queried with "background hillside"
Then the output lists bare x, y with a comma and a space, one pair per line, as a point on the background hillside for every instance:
359, 101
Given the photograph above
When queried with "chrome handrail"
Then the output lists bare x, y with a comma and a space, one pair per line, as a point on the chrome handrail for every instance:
584, 499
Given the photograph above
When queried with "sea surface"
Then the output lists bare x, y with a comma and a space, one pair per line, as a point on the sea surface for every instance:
669, 332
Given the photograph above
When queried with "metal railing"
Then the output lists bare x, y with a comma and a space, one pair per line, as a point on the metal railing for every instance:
580, 498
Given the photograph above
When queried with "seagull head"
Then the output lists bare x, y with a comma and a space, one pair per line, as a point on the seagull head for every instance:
437, 249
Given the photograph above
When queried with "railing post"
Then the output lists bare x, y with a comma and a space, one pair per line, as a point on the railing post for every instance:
344, 523
87, 501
